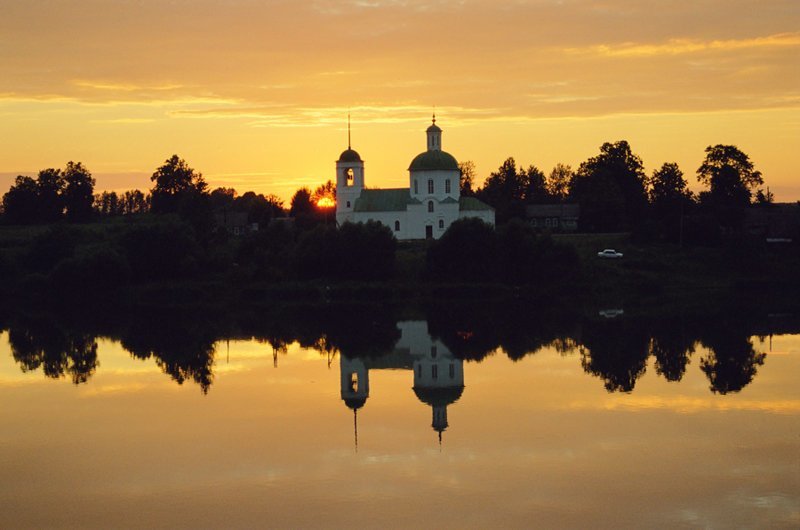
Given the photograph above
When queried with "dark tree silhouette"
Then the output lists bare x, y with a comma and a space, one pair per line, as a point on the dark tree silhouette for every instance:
668, 189
42, 345
729, 174
78, 192
731, 362
175, 183
616, 352
610, 189
50, 184
465, 252
21, 202
558, 182
508, 190
467, 179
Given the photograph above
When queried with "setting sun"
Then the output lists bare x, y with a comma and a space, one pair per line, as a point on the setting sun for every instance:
326, 202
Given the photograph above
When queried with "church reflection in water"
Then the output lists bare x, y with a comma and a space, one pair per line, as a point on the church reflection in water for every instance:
438, 375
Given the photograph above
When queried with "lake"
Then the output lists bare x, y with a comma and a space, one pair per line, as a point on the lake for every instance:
363, 417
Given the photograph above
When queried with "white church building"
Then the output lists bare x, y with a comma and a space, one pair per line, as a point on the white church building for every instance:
424, 210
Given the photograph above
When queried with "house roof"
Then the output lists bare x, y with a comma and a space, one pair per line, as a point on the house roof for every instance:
434, 160
471, 203
387, 200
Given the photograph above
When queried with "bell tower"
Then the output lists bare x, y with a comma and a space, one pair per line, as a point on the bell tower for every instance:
349, 180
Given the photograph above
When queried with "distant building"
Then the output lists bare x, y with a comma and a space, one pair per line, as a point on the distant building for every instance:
553, 217
424, 210
779, 221
234, 223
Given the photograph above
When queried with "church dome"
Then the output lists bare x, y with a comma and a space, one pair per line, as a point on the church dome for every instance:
349, 155
434, 128
438, 396
434, 160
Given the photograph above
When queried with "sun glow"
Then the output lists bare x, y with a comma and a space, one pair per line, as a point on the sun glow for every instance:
326, 202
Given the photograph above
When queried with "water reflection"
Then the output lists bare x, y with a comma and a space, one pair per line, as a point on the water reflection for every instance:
433, 343
438, 375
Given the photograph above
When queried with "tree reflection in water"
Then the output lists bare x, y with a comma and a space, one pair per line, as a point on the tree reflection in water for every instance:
616, 350
42, 344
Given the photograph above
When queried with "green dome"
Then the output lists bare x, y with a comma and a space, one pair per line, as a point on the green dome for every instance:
438, 396
349, 155
433, 160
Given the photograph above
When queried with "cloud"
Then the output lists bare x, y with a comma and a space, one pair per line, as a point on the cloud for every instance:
689, 46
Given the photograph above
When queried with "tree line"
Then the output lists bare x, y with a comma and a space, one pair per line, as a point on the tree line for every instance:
612, 189
615, 193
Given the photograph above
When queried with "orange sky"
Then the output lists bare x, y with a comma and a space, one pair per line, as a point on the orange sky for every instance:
255, 94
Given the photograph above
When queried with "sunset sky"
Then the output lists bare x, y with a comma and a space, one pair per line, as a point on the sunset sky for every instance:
255, 93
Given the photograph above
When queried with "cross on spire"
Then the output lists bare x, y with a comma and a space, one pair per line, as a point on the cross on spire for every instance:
348, 130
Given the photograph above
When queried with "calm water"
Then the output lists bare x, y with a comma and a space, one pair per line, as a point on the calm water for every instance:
359, 421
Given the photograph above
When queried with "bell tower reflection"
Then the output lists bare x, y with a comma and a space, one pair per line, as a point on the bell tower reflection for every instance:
438, 375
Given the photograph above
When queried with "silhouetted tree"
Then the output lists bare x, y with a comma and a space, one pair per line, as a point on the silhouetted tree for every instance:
324, 191
610, 189
50, 184
731, 363
465, 252
558, 182
467, 179
21, 202
134, 201
670, 199
42, 345
616, 352
303, 209
729, 174
509, 189
78, 192
175, 183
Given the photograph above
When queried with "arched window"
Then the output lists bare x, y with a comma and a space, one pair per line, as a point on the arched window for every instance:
397, 226
441, 224
348, 204
447, 186
430, 185
416, 186
349, 176
430, 206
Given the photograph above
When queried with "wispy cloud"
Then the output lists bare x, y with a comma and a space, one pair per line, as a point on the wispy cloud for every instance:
688, 46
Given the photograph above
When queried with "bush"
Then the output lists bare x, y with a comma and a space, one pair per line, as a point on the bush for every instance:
47, 249
465, 252
100, 271
164, 251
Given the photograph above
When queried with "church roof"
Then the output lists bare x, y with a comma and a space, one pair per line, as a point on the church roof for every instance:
471, 203
387, 200
349, 155
438, 396
433, 160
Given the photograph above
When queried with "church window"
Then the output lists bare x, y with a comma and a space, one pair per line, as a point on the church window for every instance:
430, 185
430, 206
452, 371
435, 371
447, 186
348, 204
433, 351
441, 224
416, 186
348, 177
397, 226
354, 382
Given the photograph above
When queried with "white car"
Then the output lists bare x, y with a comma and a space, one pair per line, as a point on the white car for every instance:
609, 253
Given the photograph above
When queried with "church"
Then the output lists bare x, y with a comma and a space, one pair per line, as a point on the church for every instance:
424, 210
